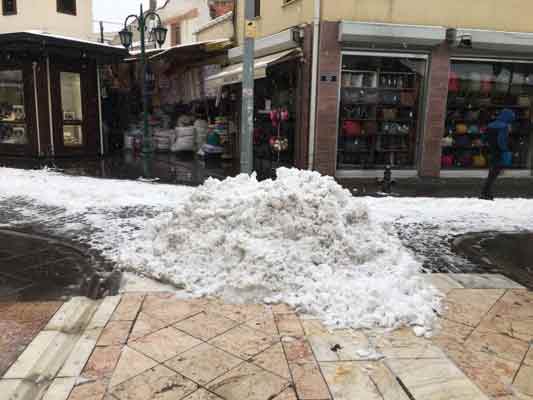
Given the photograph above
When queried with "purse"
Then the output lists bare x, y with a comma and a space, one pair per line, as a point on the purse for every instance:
486, 84
390, 114
473, 130
446, 141
390, 98
474, 82
479, 161
351, 128
447, 161
464, 160
370, 98
453, 83
407, 99
351, 95
461, 129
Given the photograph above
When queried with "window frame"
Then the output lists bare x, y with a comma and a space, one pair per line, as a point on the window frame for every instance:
62, 10
7, 13
72, 122
257, 9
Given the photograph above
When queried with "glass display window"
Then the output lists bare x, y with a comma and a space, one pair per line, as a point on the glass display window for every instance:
72, 110
12, 111
380, 103
477, 91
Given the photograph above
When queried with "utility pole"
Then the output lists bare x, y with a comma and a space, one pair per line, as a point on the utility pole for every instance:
247, 115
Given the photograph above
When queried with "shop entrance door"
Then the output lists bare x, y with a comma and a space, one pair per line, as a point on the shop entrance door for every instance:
74, 111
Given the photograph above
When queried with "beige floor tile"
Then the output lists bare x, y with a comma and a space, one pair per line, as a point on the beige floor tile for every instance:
241, 312
384, 380
158, 383
443, 282
115, 333
308, 382
164, 344
524, 380
103, 314
206, 325
273, 360
169, 309
202, 394
314, 327
244, 342
497, 344
435, 379
448, 333
289, 325
485, 281
288, 394
264, 323
102, 362
248, 382
341, 346
130, 364
403, 343
128, 308
529, 357
145, 325
492, 374
15, 389
348, 381
93, 390
298, 350
282, 309
469, 306
203, 363
80, 353
512, 315
60, 389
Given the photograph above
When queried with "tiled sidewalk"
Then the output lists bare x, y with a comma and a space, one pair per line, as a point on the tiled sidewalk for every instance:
154, 346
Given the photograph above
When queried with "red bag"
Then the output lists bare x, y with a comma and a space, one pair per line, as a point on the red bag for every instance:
453, 83
351, 128
447, 161
486, 84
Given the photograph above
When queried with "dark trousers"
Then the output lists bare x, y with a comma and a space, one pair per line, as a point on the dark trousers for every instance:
494, 172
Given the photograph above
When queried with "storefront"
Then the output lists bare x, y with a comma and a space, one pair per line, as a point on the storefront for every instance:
50, 101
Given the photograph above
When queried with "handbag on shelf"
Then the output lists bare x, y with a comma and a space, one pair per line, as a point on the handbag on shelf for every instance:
390, 98
486, 84
352, 95
447, 161
462, 141
474, 82
524, 101
479, 161
351, 128
390, 114
472, 116
357, 80
464, 160
407, 99
370, 97
453, 83
473, 130
461, 129
446, 141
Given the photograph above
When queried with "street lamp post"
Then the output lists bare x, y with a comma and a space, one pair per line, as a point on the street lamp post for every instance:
126, 38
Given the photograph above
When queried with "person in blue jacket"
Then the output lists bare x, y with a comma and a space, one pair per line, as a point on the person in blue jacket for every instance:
498, 143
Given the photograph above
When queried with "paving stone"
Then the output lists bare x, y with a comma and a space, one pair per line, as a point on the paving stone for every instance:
529, 357
169, 309
308, 382
159, 383
130, 364
88, 391
264, 323
29, 311
248, 382
434, 379
341, 346
102, 362
289, 325
202, 394
103, 314
288, 394
242, 312
403, 343
145, 325
512, 315
206, 325
469, 306
448, 333
314, 327
164, 344
73, 316
115, 333
273, 360
384, 380
497, 344
80, 353
485, 281
524, 380
298, 350
443, 282
60, 389
15, 389
128, 308
244, 342
203, 363
348, 381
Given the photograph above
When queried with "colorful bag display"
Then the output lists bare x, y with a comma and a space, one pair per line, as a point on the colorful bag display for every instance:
474, 82
351, 128
463, 141
453, 83
447, 161
479, 161
464, 160
473, 130
446, 141
486, 84
461, 129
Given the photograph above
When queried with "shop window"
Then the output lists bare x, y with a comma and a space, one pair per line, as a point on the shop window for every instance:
12, 114
9, 7
478, 91
66, 7
71, 104
379, 111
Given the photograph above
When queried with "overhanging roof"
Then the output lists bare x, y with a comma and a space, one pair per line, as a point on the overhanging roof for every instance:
518, 42
382, 33
194, 51
40, 42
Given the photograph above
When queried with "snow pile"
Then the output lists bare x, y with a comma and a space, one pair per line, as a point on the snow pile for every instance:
300, 239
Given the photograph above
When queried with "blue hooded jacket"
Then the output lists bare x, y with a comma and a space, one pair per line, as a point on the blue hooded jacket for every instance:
501, 124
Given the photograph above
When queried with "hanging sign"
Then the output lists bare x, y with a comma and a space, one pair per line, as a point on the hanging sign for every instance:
250, 29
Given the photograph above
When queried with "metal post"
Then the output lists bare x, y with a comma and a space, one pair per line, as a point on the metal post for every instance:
147, 143
247, 117
102, 39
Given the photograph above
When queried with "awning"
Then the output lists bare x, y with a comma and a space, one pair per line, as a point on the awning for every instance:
275, 43
190, 51
233, 73
501, 41
391, 34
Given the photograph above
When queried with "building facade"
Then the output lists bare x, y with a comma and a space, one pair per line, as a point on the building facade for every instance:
71, 18
402, 84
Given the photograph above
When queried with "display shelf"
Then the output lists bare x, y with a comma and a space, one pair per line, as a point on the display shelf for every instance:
13, 122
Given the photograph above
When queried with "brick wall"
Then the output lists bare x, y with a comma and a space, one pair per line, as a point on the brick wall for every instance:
327, 102
430, 160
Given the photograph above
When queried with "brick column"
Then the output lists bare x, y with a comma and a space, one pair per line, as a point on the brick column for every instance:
328, 98
437, 97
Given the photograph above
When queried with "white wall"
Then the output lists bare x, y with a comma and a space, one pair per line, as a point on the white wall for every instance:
43, 15
176, 8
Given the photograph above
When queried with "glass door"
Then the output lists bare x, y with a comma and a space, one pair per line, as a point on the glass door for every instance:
71, 107
13, 129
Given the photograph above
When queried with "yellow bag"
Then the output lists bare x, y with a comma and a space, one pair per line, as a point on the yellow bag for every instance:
461, 129
479, 161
